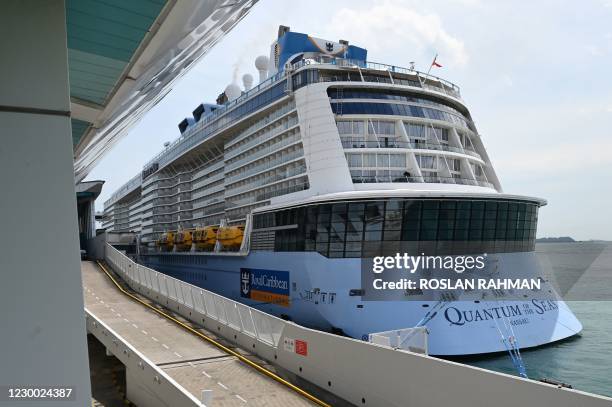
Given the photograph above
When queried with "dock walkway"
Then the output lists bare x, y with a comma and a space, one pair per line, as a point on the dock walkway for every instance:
192, 362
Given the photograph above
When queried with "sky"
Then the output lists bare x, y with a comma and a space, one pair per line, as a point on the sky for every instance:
536, 76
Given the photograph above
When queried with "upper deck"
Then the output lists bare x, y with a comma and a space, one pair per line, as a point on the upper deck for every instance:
325, 121
232, 112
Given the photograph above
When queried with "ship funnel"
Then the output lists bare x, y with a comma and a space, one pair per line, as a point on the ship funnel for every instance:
232, 91
247, 81
261, 63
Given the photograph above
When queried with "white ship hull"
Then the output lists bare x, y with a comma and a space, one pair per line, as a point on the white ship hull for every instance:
319, 297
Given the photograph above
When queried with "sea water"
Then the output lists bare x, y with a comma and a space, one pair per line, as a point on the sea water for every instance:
584, 274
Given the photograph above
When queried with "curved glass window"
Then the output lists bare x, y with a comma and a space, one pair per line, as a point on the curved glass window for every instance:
341, 108
369, 228
344, 93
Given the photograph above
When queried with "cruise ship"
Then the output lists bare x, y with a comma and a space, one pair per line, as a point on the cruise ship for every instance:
275, 194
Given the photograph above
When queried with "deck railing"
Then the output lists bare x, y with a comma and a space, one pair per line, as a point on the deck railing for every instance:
426, 80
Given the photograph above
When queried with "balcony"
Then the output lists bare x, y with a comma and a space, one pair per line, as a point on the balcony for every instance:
264, 136
168, 183
267, 150
232, 191
430, 180
267, 195
167, 201
350, 144
266, 165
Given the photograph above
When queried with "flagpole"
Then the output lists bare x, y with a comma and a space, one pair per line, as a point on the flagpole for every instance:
432, 64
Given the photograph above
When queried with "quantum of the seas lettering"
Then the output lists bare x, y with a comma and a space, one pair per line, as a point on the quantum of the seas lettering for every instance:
544, 306
460, 317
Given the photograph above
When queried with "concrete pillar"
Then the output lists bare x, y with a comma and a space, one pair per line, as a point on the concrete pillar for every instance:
43, 339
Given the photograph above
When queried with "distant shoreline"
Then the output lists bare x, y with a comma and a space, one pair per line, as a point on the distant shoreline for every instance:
562, 239
567, 239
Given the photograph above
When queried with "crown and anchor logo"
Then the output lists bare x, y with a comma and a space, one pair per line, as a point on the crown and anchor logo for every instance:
245, 283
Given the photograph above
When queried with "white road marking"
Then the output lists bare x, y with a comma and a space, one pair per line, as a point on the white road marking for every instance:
165, 346
135, 326
222, 385
144, 332
126, 320
206, 374
154, 338
113, 310
178, 354
119, 315
190, 364
240, 398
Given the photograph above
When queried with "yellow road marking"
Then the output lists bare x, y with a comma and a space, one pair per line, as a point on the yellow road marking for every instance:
248, 362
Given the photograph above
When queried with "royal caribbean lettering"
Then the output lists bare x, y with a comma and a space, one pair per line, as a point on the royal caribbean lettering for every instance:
270, 286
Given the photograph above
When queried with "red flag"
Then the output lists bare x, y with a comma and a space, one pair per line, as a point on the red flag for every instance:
435, 63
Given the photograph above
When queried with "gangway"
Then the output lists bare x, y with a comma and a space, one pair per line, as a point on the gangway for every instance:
165, 363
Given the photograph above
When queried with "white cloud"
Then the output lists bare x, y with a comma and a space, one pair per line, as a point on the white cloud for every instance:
392, 25
469, 3
594, 50
507, 80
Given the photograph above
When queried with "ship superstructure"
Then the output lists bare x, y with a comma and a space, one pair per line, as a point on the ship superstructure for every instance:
328, 160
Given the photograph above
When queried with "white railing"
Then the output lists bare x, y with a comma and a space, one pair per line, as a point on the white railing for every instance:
425, 80
256, 324
266, 135
269, 149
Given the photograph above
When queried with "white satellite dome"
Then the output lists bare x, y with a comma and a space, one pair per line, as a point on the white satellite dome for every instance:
232, 91
247, 81
261, 63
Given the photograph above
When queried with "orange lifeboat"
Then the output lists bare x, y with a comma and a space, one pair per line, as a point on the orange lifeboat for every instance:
231, 236
205, 238
183, 240
166, 242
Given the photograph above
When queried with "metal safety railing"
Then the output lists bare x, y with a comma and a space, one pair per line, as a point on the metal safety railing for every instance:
256, 324
424, 79
392, 143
